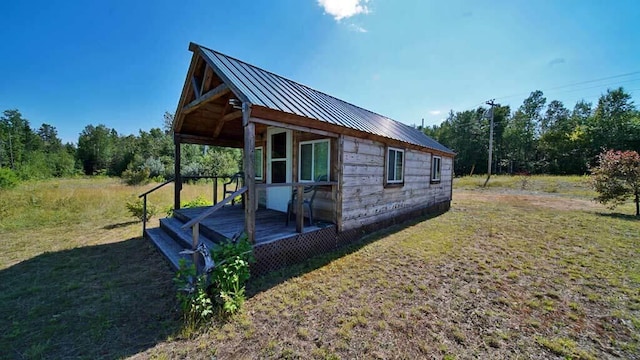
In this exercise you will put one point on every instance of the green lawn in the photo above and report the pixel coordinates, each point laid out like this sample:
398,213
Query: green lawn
511,271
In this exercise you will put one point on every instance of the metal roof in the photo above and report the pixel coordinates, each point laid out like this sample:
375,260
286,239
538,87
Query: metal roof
264,88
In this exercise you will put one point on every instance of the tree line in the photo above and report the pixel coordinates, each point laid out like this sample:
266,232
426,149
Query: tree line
540,136
28,153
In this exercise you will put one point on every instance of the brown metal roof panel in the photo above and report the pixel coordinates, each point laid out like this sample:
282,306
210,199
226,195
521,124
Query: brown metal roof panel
347,113
216,60
331,114
294,98
249,82
281,94
328,103
272,91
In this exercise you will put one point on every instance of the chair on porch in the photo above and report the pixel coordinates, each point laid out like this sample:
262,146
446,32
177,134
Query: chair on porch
306,203
233,185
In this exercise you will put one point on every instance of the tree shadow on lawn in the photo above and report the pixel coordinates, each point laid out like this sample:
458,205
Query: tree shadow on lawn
620,216
103,301
265,282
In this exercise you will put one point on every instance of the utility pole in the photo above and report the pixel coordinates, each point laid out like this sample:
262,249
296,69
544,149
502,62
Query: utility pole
492,104
11,152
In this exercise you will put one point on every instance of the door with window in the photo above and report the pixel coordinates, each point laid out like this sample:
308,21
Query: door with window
278,168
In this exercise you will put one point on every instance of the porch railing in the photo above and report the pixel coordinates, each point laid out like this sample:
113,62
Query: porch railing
194,223
146,193
299,188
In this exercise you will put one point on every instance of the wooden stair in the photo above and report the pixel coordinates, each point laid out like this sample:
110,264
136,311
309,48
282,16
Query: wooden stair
171,239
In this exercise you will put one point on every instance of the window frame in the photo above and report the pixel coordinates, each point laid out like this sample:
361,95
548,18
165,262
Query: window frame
433,173
313,163
395,180
261,149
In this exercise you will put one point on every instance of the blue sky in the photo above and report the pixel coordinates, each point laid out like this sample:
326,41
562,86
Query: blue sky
122,63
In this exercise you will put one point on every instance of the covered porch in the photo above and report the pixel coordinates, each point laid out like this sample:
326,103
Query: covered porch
270,225
282,156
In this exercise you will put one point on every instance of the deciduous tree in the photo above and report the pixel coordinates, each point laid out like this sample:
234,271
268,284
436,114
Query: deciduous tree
616,178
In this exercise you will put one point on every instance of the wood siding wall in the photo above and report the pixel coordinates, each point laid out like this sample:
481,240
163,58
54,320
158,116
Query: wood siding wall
365,199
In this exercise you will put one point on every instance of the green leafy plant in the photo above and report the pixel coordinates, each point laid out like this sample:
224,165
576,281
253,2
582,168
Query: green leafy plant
197,202
8,179
223,288
136,177
195,302
136,208
230,276
616,178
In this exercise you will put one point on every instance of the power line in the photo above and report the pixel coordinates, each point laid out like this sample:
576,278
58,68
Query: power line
595,80
574,84
474,107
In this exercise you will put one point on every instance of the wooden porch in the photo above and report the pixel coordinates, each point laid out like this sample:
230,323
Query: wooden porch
270,225
276,243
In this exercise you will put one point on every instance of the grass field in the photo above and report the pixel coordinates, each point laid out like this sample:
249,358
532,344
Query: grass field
528,268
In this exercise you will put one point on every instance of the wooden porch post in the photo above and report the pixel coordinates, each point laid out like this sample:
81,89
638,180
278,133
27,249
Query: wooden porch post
249,172
177,176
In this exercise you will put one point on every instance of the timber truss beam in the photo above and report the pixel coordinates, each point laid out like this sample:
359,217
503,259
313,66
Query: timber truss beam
211,95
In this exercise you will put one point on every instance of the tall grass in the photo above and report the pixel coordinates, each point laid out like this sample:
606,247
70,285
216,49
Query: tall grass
574,185
71,212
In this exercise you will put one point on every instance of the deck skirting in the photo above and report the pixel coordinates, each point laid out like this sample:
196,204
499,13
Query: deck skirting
278,254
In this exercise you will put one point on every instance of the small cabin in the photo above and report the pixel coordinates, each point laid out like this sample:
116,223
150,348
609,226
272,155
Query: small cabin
318,172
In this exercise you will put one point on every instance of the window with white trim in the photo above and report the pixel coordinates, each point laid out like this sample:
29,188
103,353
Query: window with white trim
314,159
436,164
258,163
395,166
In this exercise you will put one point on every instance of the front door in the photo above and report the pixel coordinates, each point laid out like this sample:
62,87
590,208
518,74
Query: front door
278,168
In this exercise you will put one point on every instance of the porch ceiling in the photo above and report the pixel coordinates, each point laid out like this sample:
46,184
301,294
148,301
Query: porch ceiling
204,113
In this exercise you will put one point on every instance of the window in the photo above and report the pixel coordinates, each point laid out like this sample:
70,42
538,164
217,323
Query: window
258,163
435,168
395,166
314,160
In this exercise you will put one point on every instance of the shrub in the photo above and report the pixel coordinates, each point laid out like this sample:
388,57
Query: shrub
223,288
230,275
155,166
193,169
197,202
616,178
8,179
35,167
136,177
192,295
135,207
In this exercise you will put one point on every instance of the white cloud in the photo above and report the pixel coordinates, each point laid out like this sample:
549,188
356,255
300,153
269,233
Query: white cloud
341,9
435,112
356,28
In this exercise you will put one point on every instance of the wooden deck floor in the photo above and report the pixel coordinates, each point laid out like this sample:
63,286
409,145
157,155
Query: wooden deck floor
229,220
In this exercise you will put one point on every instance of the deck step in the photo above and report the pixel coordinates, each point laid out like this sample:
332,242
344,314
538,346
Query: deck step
173,227
167,246
187,214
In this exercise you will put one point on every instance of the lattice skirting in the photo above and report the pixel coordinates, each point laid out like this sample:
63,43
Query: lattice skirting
285,252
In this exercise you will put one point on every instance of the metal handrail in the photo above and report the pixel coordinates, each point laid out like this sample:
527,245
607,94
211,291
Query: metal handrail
144,203
155,188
